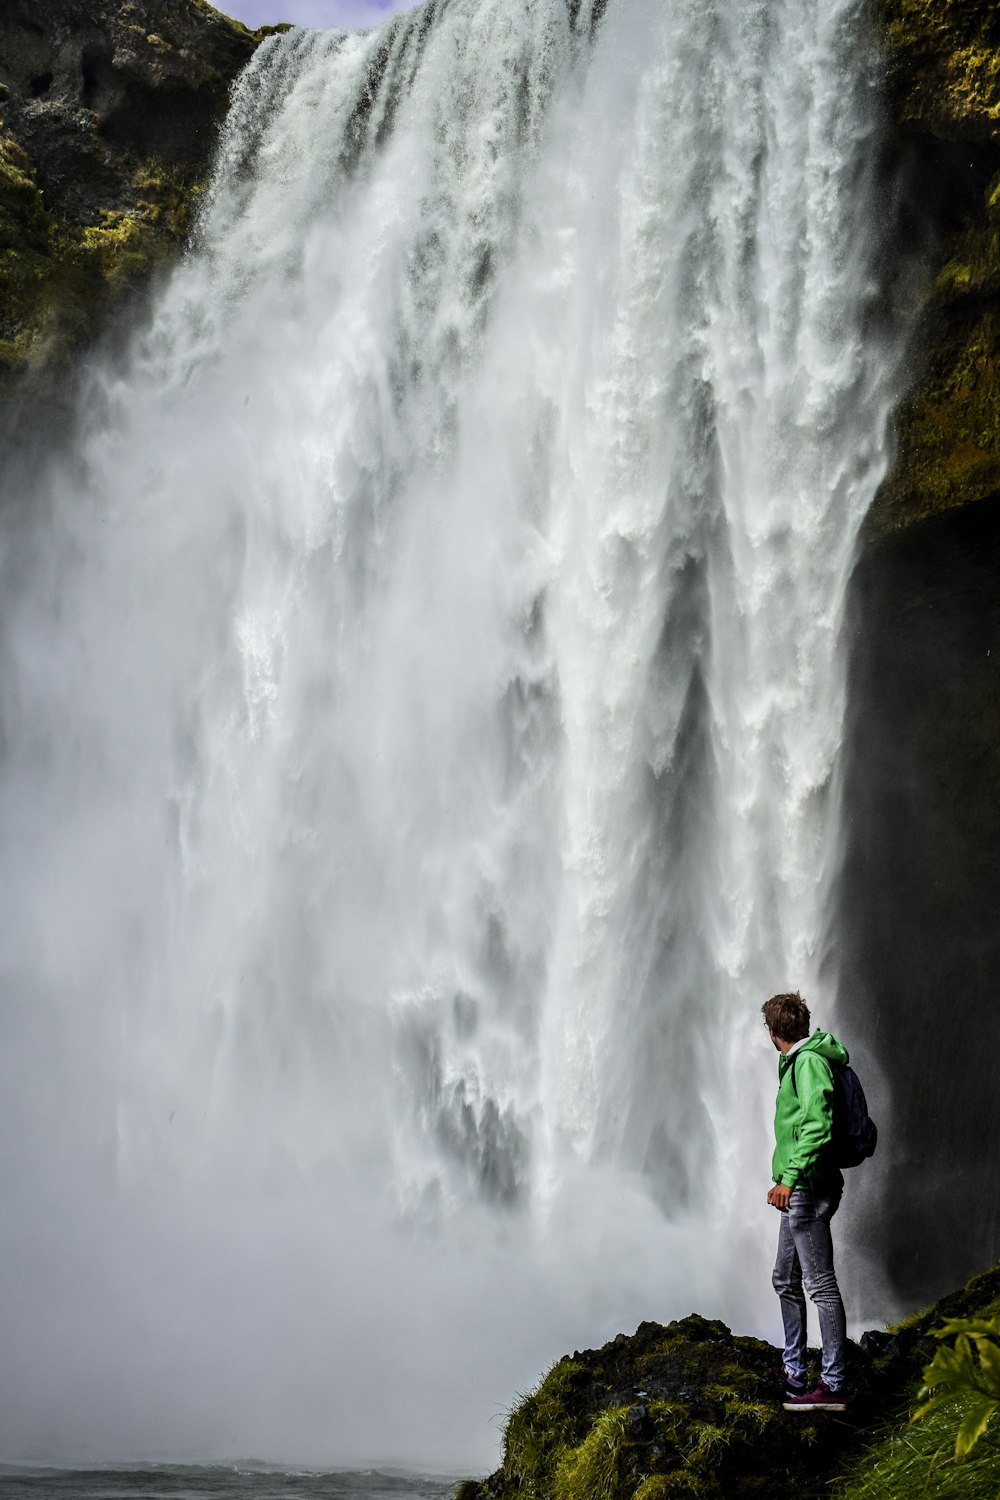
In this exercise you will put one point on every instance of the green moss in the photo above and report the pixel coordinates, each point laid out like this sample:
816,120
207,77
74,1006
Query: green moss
543,1428
949,428
943,71
654,1487
943,65
593,1470
58,279
669,1419
690,1412
469,1489
679,1485
167,200
24,252
71,257
748,1419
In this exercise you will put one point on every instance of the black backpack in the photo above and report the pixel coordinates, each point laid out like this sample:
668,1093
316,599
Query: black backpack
854,1135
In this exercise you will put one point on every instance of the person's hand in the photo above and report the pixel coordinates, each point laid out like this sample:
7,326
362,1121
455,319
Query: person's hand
779,1195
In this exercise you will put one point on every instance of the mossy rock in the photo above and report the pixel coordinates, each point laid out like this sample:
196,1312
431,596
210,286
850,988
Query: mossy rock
690,1411
685,1410
109,115
943,84
944,65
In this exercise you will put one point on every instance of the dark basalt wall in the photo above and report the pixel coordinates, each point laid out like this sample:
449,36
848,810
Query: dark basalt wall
109,114
918,936
943,94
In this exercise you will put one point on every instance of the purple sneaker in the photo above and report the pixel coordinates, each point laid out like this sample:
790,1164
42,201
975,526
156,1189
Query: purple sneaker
820,1398
792,1385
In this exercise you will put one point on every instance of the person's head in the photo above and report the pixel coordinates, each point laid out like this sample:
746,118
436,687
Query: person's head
786,1017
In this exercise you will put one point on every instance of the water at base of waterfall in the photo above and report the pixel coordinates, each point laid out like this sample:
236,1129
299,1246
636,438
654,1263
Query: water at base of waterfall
213,1482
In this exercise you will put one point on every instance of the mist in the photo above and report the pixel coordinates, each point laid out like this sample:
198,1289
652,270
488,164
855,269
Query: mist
422,695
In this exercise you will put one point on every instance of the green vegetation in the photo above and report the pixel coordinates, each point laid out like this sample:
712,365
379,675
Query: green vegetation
945,1447
595,1466
917,1462
103,158
944,66
544,1428
970,1371
691,1412
58,279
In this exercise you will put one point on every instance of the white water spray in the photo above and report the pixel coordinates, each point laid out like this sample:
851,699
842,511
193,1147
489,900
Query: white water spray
421,699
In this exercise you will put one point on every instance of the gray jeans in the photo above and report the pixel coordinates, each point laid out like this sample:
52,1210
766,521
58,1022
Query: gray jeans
805,1258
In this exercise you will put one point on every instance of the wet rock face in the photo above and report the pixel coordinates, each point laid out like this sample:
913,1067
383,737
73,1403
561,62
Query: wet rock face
919,936
943,92
91,86
944,66
109,114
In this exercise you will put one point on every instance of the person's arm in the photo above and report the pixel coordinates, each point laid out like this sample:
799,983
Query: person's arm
814,1086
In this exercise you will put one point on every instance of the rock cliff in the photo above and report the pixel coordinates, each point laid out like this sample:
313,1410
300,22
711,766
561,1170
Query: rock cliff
108,117
943,93
918,942
109,112
690,1411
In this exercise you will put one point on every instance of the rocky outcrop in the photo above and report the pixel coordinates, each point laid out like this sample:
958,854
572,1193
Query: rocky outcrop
684,1410
918,940
108,117
690,1411
918,943
943,76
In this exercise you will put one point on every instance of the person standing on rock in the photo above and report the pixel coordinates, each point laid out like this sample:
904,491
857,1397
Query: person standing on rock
807,1191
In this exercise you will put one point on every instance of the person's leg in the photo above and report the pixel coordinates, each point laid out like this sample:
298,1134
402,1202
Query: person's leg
787,1282
809,1215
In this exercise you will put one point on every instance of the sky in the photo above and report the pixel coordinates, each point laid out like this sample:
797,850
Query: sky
312,12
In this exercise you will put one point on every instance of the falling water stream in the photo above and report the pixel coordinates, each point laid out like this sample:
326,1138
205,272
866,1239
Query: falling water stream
421,700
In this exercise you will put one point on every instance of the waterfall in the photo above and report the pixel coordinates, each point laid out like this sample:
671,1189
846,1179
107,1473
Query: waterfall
421,702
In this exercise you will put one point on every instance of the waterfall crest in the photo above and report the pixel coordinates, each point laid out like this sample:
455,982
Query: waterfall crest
422,693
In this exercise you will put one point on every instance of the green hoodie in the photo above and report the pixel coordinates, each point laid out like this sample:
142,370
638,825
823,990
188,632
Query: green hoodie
803,1117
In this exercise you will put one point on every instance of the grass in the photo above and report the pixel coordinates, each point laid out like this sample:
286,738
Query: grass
592,1470
915,1461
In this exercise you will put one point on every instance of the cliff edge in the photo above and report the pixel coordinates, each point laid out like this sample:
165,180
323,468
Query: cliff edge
690,1411
109,115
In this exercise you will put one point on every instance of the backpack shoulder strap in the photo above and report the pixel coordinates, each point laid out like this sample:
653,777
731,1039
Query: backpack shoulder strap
830,1065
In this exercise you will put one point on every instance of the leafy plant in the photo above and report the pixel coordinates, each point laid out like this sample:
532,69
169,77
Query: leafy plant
969,1368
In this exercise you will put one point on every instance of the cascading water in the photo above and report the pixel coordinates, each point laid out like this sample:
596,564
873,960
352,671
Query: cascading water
421,702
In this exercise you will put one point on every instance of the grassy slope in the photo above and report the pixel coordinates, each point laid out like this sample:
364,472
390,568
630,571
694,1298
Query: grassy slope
906,1460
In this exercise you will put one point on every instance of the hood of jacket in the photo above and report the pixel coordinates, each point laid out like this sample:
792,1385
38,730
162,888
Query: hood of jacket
823,1042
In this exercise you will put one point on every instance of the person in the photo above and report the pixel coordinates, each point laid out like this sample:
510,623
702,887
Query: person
806,1192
